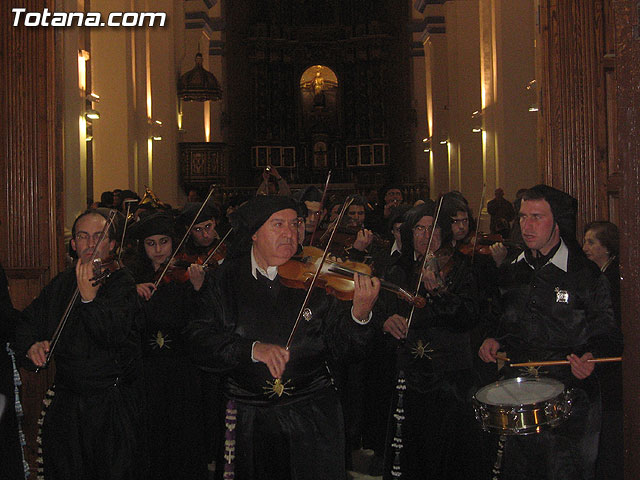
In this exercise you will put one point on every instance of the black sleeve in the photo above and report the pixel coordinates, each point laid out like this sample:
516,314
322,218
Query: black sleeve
8,314
212,345
456,307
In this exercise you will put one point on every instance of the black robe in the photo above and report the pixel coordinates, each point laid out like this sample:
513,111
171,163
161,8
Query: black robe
174,399
432,432
93,426
548,314
297,434
10,452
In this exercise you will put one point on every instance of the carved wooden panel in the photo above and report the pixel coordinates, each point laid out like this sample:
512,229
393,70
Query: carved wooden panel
30,177
574,134
590,72
202,163
28,135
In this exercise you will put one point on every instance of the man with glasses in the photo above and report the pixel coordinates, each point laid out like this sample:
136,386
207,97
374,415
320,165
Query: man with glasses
92,427
429,410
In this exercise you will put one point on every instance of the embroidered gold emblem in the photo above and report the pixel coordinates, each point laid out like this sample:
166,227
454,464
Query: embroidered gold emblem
159,340
277,388
419,350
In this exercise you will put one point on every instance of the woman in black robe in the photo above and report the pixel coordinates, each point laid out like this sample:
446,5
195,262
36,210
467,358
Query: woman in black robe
174,420
432,432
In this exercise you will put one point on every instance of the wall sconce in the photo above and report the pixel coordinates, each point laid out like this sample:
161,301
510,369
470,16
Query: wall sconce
89,138
156,138
427,144
92,114
444,142
93,97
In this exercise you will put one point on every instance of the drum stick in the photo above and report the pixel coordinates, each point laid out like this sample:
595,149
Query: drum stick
502,356
565,362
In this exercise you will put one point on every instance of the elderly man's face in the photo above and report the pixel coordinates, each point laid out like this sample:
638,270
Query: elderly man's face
422,232
276,241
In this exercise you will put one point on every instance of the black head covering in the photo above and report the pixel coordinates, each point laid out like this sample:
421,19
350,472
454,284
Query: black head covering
190,210
451,205
411,217
309,194
248,218
159,223
563,207
397,215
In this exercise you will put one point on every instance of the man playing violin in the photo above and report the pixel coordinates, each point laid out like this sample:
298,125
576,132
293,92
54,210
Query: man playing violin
432,357
557,306
92,428
283,408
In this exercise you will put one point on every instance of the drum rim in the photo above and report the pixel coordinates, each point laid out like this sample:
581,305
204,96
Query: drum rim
548,380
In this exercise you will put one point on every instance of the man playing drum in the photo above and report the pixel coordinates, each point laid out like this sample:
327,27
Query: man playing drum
557,306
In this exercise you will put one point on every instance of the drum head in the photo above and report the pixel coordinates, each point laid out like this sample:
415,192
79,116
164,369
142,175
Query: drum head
519,391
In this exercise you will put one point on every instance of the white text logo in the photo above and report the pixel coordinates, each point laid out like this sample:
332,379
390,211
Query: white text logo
89,19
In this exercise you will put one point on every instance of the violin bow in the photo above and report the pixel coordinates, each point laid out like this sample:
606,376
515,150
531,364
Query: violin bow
184,238
324,194
484,190
67,312
346,205
213,252
124,229
424,261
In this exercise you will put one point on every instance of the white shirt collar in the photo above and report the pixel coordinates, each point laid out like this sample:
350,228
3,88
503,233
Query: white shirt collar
255,268
560,259
394,248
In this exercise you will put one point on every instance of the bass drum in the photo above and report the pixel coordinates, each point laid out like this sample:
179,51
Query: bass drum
522,405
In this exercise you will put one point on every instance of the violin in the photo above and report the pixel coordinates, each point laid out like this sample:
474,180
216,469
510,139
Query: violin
440,263
103,268
335,277
178,268
480,244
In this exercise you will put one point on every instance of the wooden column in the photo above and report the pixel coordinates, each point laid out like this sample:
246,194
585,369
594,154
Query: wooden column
627,93
30,175
590,145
